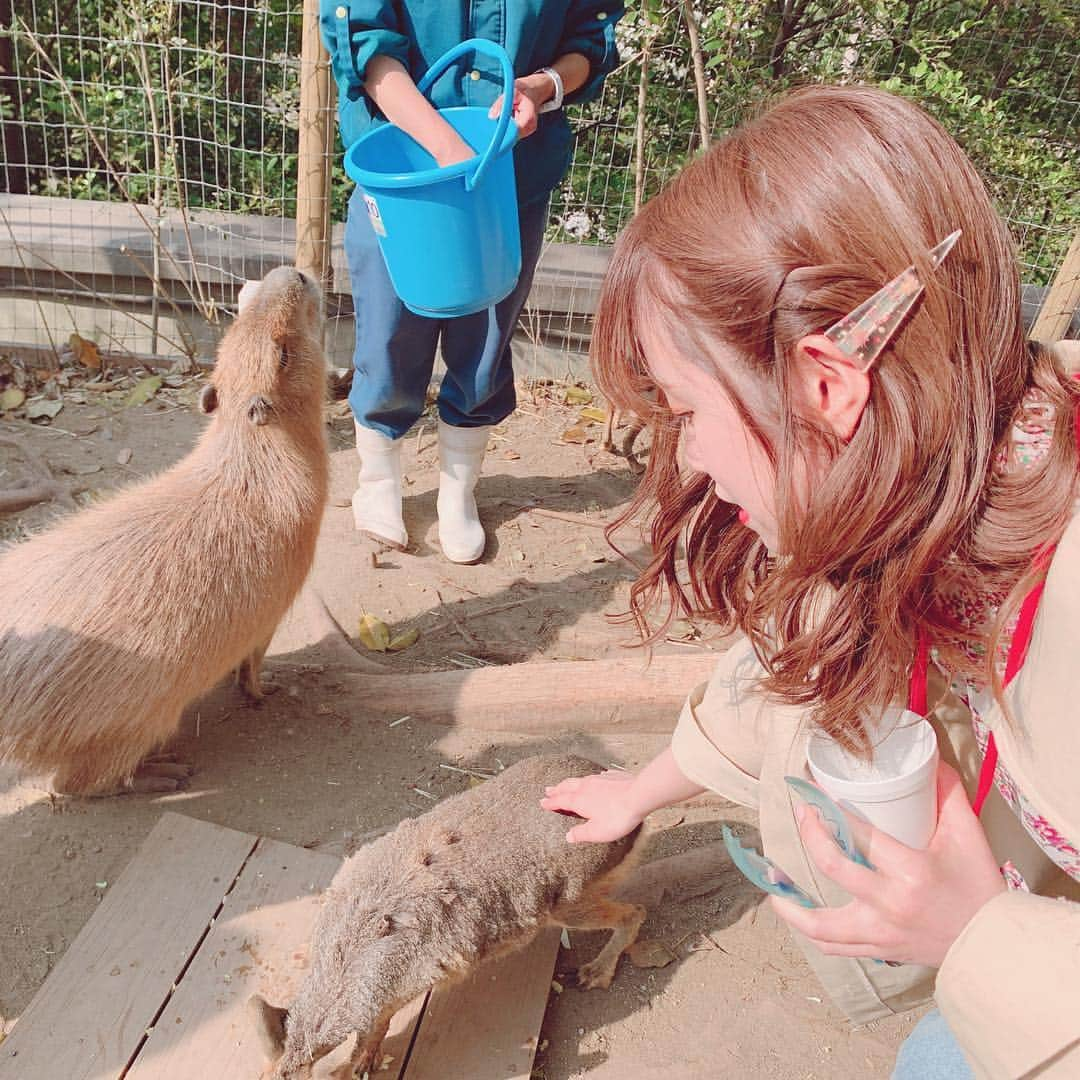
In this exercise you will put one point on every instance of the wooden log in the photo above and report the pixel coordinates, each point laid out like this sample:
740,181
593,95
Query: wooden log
545,697
1062,300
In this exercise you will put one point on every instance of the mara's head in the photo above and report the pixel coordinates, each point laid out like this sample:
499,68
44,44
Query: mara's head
357,957
270,365
864,480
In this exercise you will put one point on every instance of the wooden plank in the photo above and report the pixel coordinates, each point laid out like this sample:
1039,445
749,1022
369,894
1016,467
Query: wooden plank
259,943
486,1028
1062,300
91,1014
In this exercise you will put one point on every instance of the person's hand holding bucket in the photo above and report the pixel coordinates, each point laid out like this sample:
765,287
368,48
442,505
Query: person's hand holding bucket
447,224
913,904
531,94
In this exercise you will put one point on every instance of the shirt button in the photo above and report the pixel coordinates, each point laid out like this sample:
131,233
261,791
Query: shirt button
474,75
341,12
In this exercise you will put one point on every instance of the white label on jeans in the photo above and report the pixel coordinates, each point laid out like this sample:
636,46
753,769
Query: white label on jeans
376,217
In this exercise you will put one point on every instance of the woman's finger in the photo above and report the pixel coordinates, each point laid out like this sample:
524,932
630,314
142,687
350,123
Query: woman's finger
849,927
827,856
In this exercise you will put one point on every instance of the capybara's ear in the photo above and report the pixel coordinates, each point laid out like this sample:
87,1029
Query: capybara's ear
259,410
208,398
269,1025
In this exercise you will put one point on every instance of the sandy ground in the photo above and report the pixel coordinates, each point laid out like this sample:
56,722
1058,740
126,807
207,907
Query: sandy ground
736,998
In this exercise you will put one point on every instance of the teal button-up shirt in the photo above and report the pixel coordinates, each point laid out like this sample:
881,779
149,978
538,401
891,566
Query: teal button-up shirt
417,32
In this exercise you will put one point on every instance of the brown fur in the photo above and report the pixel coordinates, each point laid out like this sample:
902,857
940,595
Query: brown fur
116,619
476,876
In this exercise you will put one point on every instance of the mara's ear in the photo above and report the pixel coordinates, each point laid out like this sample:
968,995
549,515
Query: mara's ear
208,398
269,1025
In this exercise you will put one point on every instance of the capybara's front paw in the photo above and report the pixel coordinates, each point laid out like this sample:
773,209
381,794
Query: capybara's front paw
160,773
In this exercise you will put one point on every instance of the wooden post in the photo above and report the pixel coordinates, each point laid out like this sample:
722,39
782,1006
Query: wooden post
315,150
1056,314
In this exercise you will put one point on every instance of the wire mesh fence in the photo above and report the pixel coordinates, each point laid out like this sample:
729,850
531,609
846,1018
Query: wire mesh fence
150,148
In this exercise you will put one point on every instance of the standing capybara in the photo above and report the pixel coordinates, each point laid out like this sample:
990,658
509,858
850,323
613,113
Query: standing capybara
116,619
476,876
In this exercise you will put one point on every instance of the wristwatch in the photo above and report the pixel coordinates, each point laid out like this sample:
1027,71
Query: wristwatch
557,100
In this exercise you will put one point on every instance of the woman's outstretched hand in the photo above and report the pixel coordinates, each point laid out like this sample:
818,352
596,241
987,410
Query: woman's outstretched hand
603,799
914,904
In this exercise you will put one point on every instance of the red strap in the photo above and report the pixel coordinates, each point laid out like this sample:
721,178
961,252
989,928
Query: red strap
917,686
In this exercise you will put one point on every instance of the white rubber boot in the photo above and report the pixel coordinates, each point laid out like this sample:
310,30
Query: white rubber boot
461,454
376,503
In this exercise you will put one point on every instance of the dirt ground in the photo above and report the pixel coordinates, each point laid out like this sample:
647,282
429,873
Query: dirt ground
736,998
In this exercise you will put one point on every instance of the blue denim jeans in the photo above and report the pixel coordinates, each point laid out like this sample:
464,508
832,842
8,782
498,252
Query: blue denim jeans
395,349
931,1052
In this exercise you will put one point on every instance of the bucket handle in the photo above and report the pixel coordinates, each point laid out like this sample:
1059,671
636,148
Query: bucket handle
479,45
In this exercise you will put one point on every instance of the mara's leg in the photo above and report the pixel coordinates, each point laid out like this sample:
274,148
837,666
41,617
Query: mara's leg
598,912
365,1058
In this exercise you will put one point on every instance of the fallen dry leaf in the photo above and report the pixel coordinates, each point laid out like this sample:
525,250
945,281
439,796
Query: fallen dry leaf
86,352
596,416
576,435
650,954
143,391
40,407
11,398
124,456
578,395
403,641
374,633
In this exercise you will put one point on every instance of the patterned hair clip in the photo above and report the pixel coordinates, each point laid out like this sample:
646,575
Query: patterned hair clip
863,334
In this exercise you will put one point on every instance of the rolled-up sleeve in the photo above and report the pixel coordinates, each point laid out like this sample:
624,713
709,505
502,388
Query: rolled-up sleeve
717,741
355,31
590,30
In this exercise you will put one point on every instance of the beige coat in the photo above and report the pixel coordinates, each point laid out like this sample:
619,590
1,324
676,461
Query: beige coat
1010,985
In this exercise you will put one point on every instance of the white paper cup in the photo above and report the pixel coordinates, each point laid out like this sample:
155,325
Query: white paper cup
896,791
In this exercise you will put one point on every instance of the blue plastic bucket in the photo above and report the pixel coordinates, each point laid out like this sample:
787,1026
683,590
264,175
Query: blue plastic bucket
449,236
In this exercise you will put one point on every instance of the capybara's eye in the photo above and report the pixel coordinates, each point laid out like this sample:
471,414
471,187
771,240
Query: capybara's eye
283,360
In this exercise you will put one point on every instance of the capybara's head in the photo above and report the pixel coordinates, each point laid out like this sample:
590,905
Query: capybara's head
270,365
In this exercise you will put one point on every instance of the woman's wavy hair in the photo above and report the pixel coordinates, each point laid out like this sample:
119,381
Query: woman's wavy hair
778,231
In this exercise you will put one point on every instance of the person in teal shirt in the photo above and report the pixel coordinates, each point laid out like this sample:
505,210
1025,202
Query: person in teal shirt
561,51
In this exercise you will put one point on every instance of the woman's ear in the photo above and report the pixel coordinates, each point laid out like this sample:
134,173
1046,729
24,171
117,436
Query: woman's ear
832,389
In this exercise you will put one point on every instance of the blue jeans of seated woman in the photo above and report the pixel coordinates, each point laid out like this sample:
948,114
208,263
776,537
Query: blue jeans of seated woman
395,349
931,1052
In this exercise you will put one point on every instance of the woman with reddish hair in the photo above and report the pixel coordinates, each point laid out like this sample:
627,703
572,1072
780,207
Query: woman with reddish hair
878,495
